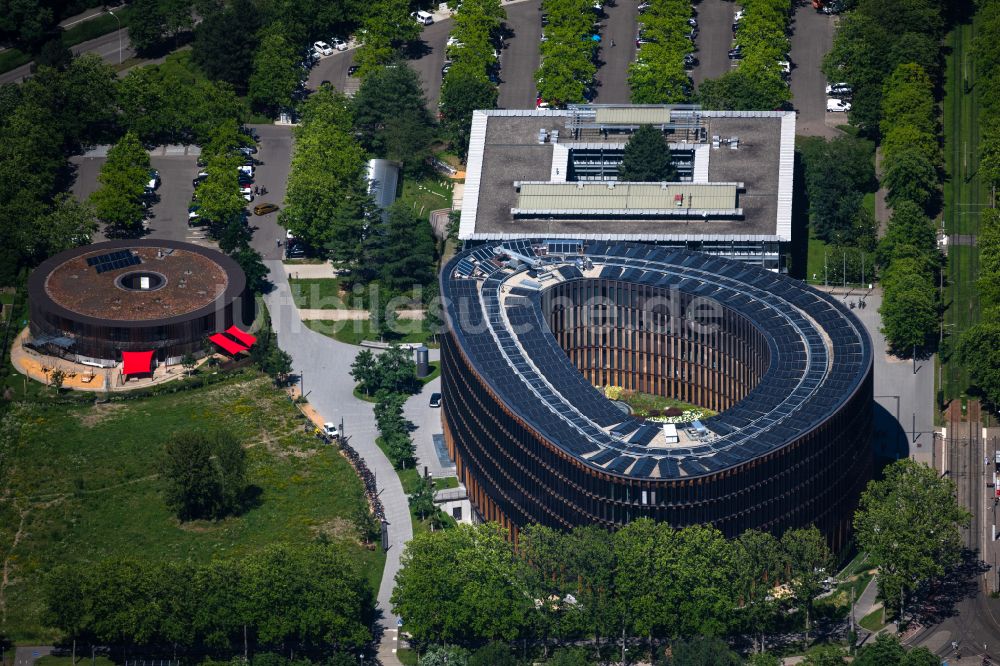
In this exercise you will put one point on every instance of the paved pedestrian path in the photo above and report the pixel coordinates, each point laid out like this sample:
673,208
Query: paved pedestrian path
352,315
323,364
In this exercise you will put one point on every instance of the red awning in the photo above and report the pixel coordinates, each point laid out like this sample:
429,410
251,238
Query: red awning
137,363
229,345
242,336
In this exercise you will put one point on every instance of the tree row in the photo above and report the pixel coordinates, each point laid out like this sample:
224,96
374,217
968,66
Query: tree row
653,583
569,50
659,75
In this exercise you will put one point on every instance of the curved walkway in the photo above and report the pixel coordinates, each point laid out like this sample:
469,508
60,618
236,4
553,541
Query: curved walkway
324,364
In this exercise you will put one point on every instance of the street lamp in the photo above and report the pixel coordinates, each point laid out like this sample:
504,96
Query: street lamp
119,35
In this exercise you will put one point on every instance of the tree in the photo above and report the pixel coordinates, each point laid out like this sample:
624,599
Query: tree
397,371
909,309
837,174
188,362
445,655
884,651
809,562
364,522
979,351
275,72
327,204
119,200
147,26
404,249
461,584
390,114
205,474
225,42
363,370
386,26
907,226
703,652
825,655
465,89
253,267
758,562
70,223
422,499
910,524
647,158
311,594
493,654
571,656
746,89
66,604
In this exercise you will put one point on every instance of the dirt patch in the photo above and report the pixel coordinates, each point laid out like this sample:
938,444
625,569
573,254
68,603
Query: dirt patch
100,413
336,529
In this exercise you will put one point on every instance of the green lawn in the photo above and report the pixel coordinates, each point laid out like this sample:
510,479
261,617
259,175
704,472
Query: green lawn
355,331
428,194
410,480
82,485
326,294
963,197
873,621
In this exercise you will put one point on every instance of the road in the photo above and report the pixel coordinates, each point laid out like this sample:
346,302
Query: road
620,29
428,423
275,155
811,40
323,363
521,57
715,37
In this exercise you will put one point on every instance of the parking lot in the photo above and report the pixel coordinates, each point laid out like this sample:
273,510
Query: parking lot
715,35
520,58
428,58
619,28
177,167
811,41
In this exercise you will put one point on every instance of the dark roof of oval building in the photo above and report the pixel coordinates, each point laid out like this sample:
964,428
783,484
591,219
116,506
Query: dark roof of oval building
820,354
84,283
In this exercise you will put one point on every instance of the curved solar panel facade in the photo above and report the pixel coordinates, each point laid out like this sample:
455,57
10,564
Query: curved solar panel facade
533,326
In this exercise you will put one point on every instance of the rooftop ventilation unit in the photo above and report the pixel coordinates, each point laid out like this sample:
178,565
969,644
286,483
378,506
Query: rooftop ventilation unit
543,135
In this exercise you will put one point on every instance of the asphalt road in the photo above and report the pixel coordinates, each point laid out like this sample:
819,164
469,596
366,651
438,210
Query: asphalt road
715,37
521,56
105,46
811,40
619,28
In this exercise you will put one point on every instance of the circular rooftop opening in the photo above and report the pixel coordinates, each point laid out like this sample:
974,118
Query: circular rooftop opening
141,281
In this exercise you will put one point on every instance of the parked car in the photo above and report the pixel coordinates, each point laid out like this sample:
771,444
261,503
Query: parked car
435,400
644,6
246,169
693,22
265,208
322,48
445,68
193,214
154,180
352,70
735,54
690,60
834,105
838,89
331,431
199,179
338,44
422,17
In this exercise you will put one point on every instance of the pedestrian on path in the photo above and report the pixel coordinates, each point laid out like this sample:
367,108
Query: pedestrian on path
612,43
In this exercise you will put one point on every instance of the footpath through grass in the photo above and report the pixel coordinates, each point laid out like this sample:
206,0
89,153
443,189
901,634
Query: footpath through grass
81,485
963,199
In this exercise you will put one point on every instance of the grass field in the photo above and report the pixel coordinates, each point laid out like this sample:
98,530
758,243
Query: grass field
963,198
872,621
325,294
81,485
426,195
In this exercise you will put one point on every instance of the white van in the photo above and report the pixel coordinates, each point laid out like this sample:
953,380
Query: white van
422,17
